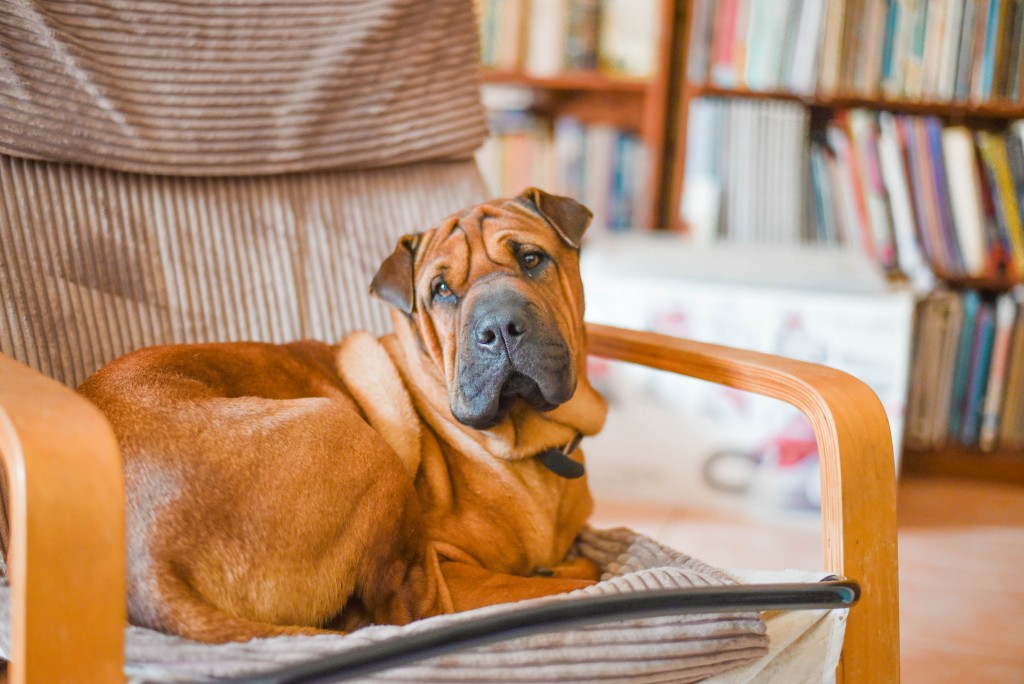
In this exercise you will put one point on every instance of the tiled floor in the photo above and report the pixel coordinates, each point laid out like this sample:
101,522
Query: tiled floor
961,569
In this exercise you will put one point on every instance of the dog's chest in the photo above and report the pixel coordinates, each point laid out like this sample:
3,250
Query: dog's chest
512,517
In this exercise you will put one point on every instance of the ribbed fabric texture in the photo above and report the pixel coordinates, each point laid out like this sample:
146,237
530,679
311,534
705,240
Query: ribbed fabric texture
227,87
96,263
685,648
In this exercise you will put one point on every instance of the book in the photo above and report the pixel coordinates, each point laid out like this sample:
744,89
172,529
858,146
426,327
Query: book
702,28
913,85
965,198
949,51
545,28
926,205
947,231
851,182
599,155
825,232
864,134
1003,51
570,155
582,27
892,15
1011,426
921,393
978,373
962,366
723,69
993,152
702,193
950,314
829,75
990,39
991,412
891,154
1015,56
965,53
981,33
869,73
766,43
628,38
804,62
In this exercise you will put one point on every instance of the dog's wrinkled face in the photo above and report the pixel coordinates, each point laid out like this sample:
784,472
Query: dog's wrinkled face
494,297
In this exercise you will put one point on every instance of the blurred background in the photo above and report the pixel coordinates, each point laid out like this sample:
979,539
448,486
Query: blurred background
836,181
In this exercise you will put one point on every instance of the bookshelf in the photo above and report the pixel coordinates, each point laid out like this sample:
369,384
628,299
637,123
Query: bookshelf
955,63
594,96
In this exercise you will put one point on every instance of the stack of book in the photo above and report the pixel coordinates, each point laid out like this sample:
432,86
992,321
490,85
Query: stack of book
602,166
931,50
546,38
911,193
745,171
918,195
967,375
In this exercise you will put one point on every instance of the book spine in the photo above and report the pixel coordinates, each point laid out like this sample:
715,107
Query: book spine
981,357
991,413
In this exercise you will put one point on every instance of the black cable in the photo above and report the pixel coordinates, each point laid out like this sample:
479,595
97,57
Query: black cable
560,615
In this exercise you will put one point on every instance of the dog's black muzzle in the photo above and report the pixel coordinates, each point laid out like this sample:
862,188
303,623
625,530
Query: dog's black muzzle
510,350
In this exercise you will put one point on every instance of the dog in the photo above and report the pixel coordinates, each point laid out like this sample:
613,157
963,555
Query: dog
305,487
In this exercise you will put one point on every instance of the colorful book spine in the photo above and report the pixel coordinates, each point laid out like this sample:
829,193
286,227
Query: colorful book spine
991,413
993,151
962,367
978,374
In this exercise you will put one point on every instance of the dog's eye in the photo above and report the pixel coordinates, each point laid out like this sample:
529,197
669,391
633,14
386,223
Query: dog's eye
441,290
531,259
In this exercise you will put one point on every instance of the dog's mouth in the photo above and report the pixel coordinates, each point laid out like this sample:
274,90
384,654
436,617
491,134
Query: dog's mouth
520,386
516,387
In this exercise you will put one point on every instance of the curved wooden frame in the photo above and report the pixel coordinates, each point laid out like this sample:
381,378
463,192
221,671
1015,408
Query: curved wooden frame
67,548
858,480
66,554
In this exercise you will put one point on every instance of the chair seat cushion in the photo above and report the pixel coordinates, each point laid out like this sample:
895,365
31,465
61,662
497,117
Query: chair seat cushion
681,648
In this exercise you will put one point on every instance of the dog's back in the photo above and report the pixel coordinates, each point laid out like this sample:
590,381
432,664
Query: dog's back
255,492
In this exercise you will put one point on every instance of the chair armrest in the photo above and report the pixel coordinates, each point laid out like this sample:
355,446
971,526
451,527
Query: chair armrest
858,480
66,551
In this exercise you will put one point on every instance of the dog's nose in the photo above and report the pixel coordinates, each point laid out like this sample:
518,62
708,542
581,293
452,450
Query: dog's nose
494,331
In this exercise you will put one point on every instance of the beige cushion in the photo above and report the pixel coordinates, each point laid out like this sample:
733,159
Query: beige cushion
236,88
683,648
96,263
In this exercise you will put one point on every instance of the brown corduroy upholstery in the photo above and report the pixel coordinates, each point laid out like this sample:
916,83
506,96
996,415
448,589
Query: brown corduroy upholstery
95,263
232,87
135,202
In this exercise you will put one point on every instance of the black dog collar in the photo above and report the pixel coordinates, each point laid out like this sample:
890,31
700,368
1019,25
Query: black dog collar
557,460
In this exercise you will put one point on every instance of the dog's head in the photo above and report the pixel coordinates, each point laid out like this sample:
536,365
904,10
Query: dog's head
495,298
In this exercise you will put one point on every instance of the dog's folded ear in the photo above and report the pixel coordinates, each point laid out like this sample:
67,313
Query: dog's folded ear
568,217
394,280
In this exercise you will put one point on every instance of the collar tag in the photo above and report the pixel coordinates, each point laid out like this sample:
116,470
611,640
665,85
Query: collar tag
557,460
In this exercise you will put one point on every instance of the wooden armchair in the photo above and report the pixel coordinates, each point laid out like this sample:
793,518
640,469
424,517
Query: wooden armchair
164,178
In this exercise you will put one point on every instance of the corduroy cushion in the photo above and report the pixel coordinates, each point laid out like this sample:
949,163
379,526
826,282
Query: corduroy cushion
96,263
685,648
232,87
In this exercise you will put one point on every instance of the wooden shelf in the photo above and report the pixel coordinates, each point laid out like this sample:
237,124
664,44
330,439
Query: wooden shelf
985,284
988,110
645,106
575,80
965,464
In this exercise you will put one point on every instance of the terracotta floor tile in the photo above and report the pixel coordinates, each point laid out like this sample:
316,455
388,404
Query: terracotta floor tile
961,565
922,665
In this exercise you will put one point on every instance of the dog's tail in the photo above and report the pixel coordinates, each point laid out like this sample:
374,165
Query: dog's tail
186,614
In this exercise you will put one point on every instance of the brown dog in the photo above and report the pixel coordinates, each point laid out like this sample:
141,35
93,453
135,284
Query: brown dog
285,489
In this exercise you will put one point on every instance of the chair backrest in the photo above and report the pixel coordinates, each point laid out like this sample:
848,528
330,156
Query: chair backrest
181,172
